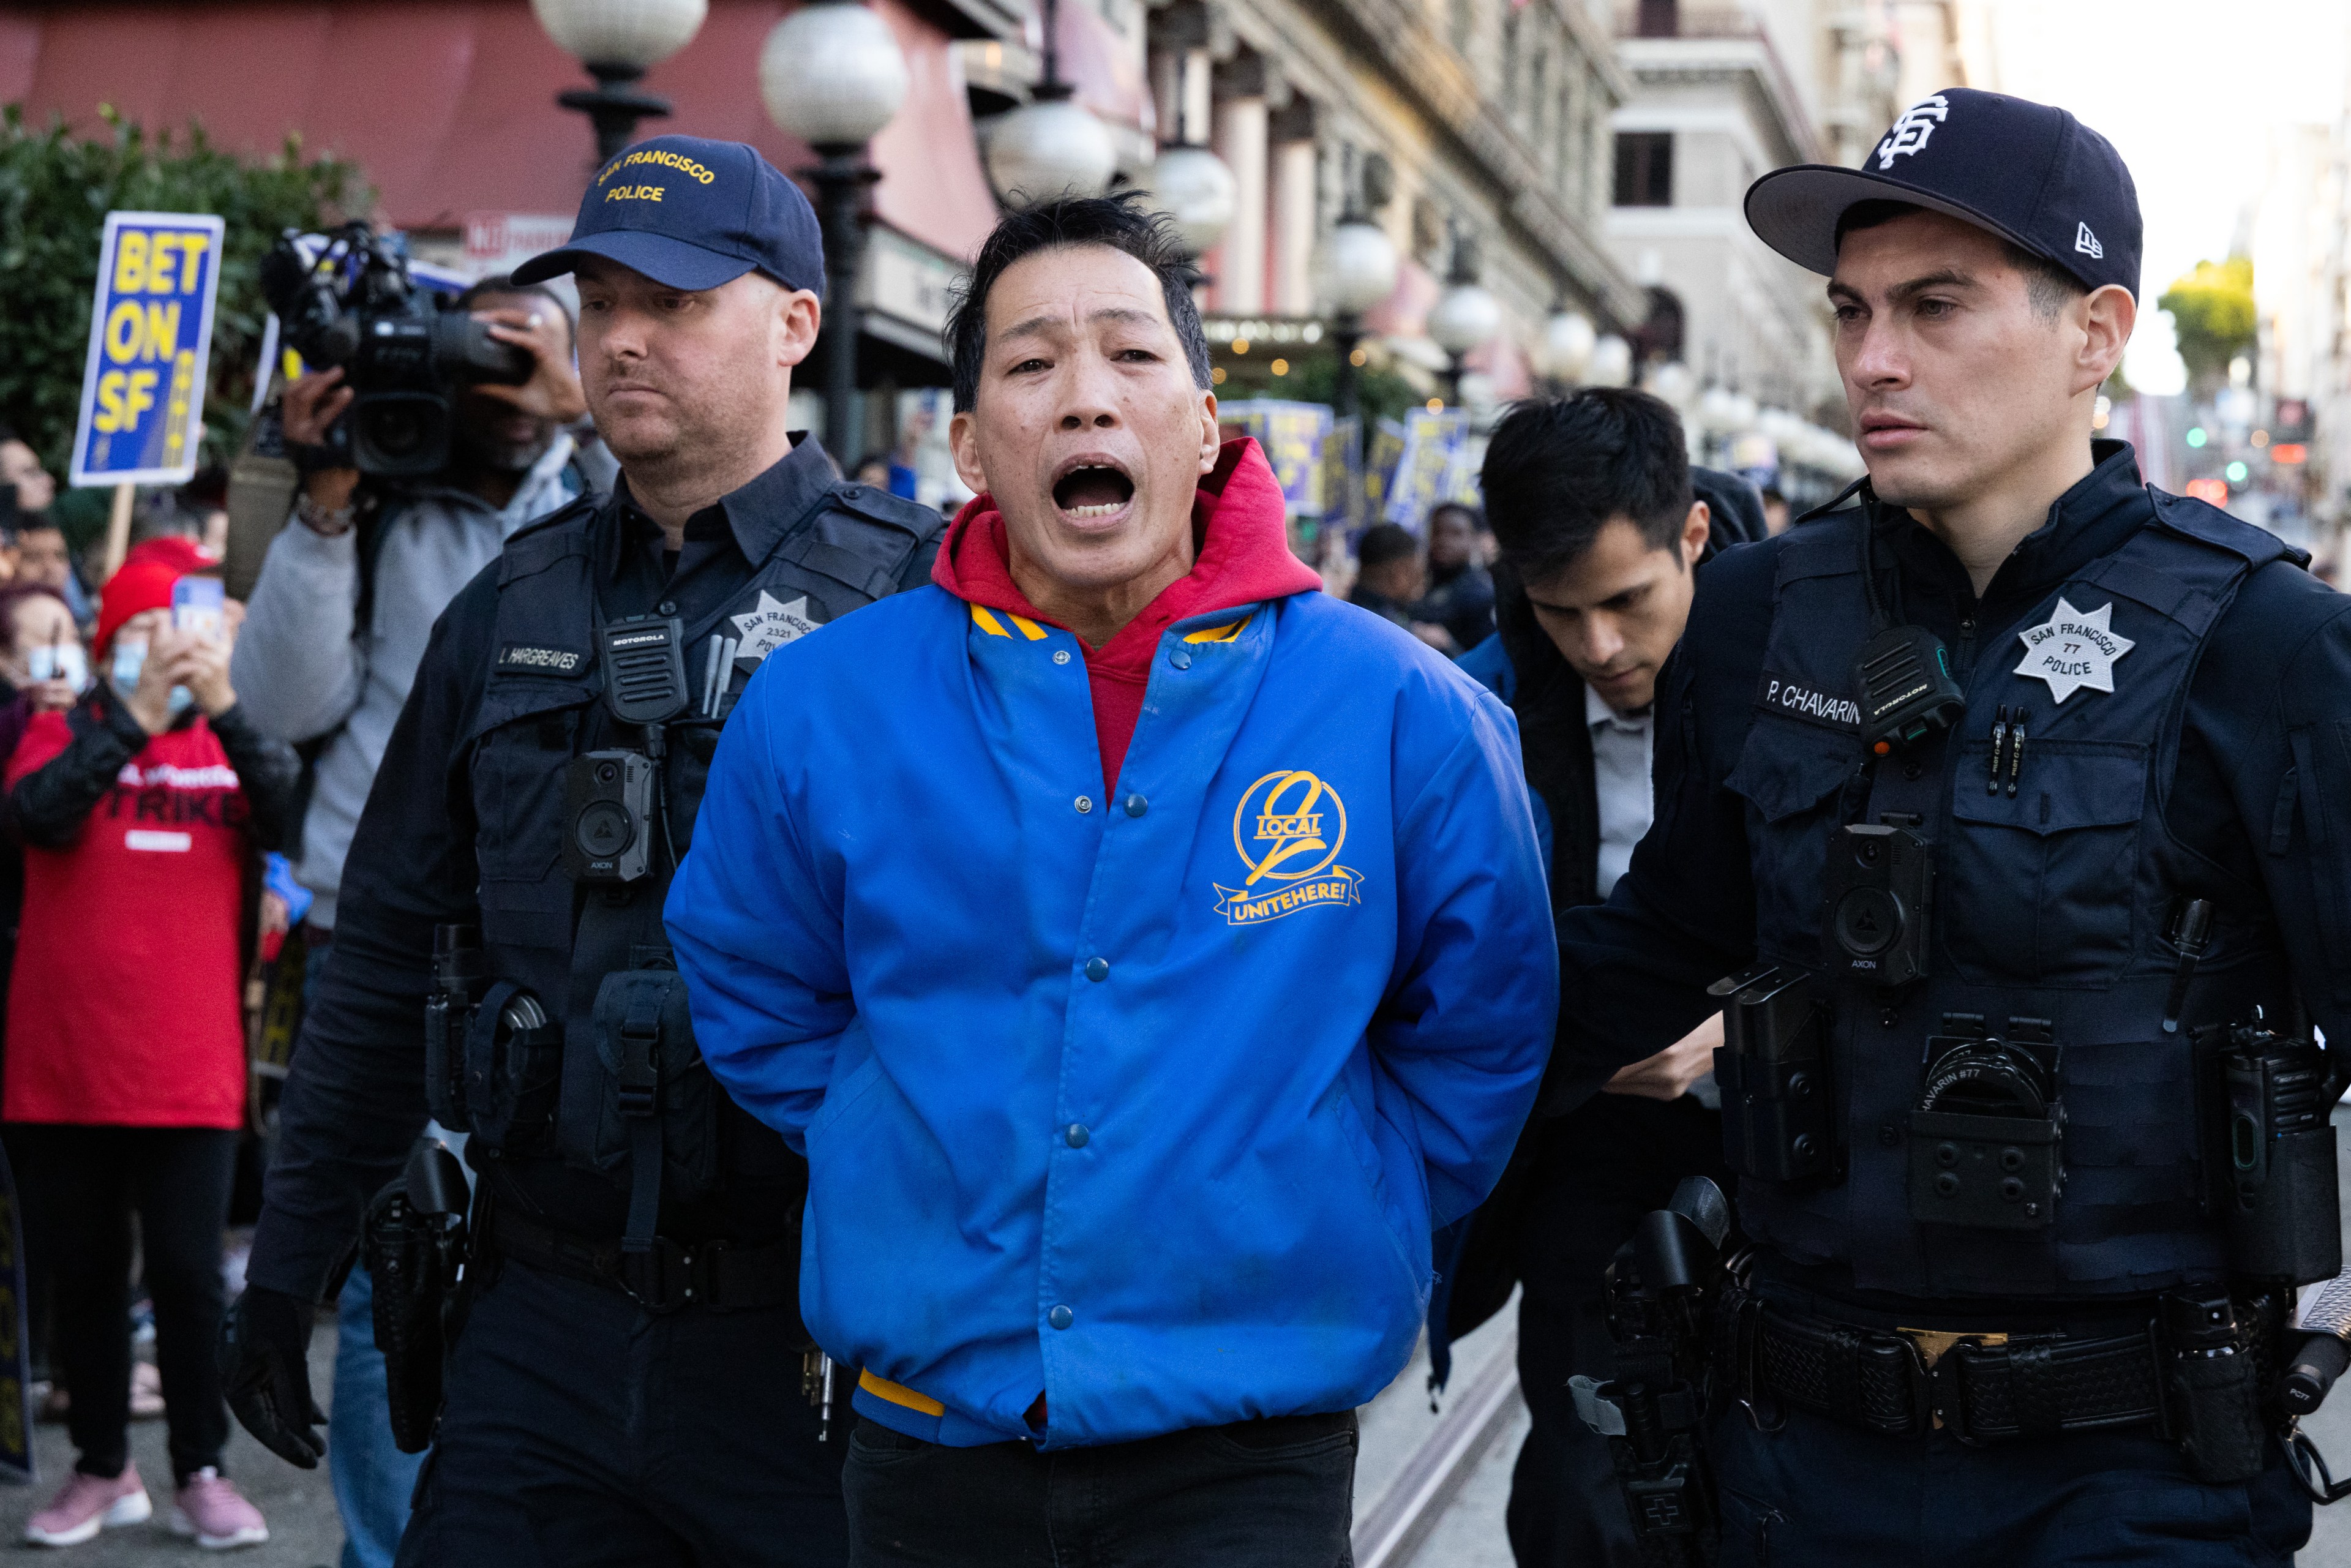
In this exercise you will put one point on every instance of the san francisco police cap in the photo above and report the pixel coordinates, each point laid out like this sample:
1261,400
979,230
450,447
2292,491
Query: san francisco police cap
692,213
2028,173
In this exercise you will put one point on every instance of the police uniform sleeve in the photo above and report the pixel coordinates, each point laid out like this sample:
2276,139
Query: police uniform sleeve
354,1100
1633,970
2271,703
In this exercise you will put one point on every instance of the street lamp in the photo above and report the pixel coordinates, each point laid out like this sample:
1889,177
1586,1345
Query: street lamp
1611,362
1359,271
1196,190
1673,384
616,40
831,75
1050,147
1567,343
1466,314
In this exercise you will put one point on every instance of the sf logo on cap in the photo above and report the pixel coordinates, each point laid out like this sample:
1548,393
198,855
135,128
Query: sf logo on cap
1910,133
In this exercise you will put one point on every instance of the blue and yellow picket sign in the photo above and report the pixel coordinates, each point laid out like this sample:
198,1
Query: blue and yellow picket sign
151,332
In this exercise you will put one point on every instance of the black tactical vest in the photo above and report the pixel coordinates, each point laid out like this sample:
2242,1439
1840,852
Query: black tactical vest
613,1083
2051,915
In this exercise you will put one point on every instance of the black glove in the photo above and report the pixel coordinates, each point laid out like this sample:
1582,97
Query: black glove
264,1363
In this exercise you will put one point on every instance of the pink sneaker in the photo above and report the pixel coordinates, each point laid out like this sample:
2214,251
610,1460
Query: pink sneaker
212,1510
87,1504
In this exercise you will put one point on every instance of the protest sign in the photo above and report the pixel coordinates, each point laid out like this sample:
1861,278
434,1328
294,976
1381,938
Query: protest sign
150,329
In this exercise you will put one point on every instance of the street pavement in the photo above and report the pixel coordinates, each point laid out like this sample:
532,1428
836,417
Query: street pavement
299,1504
304,1533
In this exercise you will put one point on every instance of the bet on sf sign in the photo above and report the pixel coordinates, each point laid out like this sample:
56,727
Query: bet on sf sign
150,328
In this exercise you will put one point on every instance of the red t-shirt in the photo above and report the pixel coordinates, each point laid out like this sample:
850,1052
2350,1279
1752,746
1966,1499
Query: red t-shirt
122,1007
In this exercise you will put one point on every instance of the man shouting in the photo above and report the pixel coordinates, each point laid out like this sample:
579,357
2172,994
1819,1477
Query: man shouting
1145,948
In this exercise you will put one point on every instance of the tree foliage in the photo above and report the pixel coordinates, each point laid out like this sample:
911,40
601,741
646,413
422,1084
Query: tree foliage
56,189
2212,314
1380,392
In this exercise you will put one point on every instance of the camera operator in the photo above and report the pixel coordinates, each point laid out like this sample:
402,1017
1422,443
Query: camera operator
337,625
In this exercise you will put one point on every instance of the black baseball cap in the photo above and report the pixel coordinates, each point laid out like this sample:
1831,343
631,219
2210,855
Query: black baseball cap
692,213
2028,173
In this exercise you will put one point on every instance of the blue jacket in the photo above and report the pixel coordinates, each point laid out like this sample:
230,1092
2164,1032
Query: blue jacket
1146,1103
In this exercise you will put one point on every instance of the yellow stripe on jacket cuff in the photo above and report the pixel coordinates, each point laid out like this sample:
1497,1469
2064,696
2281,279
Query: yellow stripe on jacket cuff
882,1389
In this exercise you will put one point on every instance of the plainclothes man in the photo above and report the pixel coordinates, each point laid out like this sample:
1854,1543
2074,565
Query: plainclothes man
1145,948
1604,527
628,1385
2000,1312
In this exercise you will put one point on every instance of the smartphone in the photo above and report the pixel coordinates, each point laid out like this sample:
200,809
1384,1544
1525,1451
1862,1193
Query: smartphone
196,605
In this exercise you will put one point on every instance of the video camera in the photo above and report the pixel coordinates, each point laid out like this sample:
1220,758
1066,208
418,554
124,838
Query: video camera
403,356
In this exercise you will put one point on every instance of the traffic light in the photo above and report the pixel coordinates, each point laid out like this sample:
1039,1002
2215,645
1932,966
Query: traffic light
2196,435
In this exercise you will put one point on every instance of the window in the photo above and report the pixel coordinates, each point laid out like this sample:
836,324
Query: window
1659,19
1644,168
1659,337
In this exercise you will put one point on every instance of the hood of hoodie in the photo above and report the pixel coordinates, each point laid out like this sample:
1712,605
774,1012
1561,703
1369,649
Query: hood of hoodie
1240,541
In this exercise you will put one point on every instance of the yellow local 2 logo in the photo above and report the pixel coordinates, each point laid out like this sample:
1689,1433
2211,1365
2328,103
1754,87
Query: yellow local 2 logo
1282,817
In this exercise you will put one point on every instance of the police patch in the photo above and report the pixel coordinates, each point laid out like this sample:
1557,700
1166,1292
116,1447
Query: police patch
1798,700
528,661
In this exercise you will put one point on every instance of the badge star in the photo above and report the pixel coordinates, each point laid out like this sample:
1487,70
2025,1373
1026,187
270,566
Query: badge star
2072,651
770,625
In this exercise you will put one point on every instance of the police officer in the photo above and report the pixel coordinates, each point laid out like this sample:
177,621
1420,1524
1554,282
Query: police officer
2007,805
628,1384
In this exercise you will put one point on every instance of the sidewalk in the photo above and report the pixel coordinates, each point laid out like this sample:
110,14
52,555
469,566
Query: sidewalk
299,1504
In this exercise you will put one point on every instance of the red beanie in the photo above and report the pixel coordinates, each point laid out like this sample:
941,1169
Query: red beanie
180,553
142,584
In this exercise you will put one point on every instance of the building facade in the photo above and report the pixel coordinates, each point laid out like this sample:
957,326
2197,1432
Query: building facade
1721,93
1445,121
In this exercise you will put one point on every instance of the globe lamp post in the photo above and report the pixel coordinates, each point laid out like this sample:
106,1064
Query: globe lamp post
1196,190
1050,146
1359,271
1466,315
1611,362
1567,343
617,40
831,74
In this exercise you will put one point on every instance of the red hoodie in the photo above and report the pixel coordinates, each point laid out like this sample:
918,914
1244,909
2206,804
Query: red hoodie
1242,557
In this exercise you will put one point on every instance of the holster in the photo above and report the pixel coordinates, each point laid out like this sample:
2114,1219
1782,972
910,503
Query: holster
415,1242
1654,1411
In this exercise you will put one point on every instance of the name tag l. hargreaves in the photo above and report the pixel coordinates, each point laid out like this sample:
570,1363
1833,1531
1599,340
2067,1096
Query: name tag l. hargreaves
2071,651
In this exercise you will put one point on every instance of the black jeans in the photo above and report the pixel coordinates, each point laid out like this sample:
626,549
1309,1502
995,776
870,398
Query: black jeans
583,1432
1257,1494
79,1186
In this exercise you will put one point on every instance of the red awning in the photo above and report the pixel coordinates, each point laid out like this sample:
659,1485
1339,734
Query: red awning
449,105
